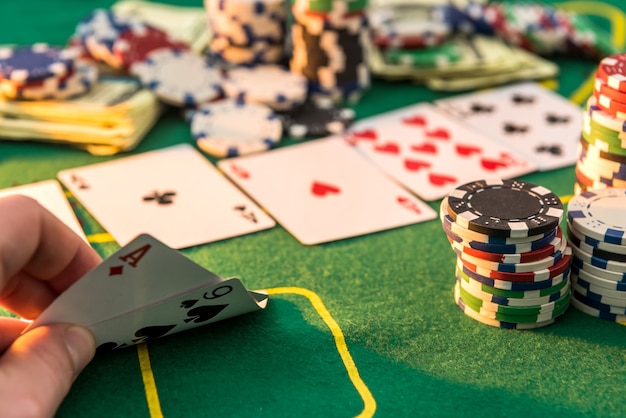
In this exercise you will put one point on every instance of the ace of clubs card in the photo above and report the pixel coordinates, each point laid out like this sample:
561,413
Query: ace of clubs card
535,121
323,191
173,194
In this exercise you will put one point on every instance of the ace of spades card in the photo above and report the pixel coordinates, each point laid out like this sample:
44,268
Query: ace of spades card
430,152
323,191
147,290
534,121
174,194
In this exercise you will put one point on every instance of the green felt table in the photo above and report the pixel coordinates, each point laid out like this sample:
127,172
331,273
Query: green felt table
361,326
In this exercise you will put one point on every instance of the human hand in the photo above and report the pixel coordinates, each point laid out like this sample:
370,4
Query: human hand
40,257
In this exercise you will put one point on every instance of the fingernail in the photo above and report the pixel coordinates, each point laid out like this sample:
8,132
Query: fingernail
81,345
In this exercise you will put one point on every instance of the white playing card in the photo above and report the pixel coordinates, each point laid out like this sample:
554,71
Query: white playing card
173,194
431,153
212,303
142,273
527,117
323,191
49,195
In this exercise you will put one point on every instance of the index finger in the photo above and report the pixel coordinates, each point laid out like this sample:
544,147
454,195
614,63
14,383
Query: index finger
40,256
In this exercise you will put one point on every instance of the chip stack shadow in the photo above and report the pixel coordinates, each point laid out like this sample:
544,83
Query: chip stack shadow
513,263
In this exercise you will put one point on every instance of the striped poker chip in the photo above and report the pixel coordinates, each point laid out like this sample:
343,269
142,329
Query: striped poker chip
230,128
598,281
575,240
596,313
612,70
592,266
179,77
600,215
36,62
595,243
271,85
505,208
597,114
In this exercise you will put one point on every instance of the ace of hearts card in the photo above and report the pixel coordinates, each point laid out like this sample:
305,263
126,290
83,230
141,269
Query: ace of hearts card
322,191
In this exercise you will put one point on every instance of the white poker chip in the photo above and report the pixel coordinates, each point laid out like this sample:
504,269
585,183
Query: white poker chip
178,77
599,214
230,128
271,85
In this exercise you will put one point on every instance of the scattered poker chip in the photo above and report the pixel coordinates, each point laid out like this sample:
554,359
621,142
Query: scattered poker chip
231,128
315,119
600,215
270,85
179,77
36,62
506,208
132,46
612,70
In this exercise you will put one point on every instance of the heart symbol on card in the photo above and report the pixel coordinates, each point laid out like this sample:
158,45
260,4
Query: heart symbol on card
426,147
466,150
415,165
489,164
439,133
416,120
389,148
322,189
239,172
364,135
406,203
441,179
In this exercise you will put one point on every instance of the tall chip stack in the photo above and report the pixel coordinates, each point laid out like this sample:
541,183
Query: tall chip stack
247,32
330,48
513,263
596,227
602,149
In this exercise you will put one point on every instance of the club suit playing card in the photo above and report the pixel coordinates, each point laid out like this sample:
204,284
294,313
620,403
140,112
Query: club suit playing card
535,121
174,194
323,191
430,152
49,194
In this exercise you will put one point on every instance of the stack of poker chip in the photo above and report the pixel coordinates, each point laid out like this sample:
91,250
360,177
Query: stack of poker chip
329,40
40,72
247,32
596,228
602,149
536,27
513,262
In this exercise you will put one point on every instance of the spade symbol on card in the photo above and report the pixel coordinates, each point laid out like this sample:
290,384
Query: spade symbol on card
204,313
521,99
246,214
553,119
511,128
481,108
322,189
554,149
79,182
165,198
186,304
108,347
152,332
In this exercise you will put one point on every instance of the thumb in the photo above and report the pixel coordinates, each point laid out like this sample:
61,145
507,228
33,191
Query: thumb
37,370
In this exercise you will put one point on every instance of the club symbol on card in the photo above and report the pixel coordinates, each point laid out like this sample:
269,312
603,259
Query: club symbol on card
246,214
79,182
416,120
481,108
511,128
521,99
554,119
322,189
554,149
165,198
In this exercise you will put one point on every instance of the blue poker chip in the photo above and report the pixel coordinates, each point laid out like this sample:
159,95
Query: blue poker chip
35,63
507,285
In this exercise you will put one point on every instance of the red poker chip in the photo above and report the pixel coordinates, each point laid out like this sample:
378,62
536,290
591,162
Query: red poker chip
600,87
132,47
612,70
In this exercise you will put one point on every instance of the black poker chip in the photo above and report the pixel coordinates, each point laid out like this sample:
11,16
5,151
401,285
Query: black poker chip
505,208
316,119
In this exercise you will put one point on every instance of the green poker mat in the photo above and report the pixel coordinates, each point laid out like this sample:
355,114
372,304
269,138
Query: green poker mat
359,327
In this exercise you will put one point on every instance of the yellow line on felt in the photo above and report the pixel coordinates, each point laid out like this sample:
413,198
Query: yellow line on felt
149,384
340,341
100,238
